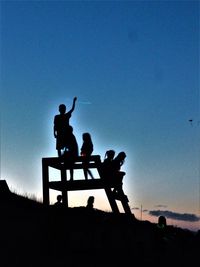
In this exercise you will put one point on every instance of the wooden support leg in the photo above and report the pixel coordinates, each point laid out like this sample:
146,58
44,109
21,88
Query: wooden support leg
126,206
111,200
124,200
64,191
45,180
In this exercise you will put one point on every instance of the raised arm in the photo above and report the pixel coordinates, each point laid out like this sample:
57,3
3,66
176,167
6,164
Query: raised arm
73,105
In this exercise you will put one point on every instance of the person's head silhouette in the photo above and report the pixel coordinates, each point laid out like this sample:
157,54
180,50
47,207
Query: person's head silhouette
62,108
86,137
110,154
162,223
59,200
122,155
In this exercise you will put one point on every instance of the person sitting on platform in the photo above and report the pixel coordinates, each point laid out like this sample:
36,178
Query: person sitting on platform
118,175
107,167
86,152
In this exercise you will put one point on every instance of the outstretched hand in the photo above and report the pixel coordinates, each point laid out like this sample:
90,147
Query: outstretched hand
75,98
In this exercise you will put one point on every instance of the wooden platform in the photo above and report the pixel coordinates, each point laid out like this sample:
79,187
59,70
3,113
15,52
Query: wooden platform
65,185
79,185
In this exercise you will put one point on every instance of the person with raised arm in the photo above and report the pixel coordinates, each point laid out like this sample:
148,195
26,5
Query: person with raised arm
61,126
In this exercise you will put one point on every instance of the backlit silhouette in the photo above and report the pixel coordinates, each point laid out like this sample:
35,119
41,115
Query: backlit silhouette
90,202
61,126
107,166
117,163
58,203
71,151
86,152
70,159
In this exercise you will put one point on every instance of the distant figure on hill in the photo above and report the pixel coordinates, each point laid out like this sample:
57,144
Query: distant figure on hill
71,151
90,202
86,152
118,175
61,126
107,166
59,203
162,240
161,231
162,222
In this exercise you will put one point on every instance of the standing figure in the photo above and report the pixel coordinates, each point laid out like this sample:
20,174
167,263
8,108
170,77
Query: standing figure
117,162
86,152
71,151
61,126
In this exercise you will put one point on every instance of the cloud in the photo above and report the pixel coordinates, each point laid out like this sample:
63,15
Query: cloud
135,208
175,216
145,210
161,206
85,102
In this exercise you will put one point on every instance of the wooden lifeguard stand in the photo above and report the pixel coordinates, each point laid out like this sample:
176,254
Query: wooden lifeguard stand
65,185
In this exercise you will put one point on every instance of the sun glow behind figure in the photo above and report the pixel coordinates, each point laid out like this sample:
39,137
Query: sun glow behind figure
80,122
78,198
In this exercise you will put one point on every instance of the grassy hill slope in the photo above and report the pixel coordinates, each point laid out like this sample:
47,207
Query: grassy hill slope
33,235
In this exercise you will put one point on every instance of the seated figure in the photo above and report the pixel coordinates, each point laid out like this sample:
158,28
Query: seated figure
107,167
117,163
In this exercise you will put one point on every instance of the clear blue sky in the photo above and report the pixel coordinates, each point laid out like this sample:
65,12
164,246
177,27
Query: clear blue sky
134,66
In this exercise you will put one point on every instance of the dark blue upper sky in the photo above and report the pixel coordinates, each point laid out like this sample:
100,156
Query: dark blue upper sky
134,66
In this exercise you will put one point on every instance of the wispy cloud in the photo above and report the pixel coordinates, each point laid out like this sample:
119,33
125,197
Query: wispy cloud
135,208
85,102
161,206
82,101
175,215
145,210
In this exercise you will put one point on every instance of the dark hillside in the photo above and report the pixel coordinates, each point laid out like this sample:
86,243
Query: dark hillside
33,236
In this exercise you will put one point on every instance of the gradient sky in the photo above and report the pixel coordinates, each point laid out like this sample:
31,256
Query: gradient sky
134,66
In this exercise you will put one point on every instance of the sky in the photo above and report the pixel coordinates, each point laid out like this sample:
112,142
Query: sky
134,67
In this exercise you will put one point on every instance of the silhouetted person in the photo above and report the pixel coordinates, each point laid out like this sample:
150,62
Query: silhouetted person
86,152
161,239
109,156
161,230
118,175
61,126
107,166
71,151
119,160
162,222
59,203
90,202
